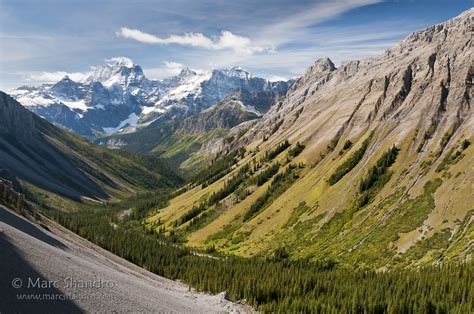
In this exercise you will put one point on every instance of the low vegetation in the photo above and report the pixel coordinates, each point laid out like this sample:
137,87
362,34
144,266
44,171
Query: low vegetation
295,151
194,212
296,214
269,155
12,199
347,145
453,156
277,284
351,162
376,177
217,169
230,186
378,172
281,182
266,174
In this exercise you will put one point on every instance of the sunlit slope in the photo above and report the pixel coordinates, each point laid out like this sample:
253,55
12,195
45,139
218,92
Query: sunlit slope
385,176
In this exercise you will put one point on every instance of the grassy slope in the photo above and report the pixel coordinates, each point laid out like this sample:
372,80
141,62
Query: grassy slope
326,223
142,172
181,149
118,174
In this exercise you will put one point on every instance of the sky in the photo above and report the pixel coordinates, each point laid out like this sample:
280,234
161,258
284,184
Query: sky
41,41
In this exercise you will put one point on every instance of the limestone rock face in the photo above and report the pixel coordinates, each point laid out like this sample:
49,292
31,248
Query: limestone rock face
423,83
235,109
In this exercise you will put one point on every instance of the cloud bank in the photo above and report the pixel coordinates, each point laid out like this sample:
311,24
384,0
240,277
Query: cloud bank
52,77
170,69
226,40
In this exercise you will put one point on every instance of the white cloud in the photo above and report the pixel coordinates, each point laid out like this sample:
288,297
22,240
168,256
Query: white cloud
227,40
320,12
52,77
170,69
173,68
299,27
295,27
122,61
276,78
238,43
229,49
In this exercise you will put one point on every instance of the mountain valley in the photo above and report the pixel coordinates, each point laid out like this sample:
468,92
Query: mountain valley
346,190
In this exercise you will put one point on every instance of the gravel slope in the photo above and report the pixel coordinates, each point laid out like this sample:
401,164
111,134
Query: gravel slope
30,252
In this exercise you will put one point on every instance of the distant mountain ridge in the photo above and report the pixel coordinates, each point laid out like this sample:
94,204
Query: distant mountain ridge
118,97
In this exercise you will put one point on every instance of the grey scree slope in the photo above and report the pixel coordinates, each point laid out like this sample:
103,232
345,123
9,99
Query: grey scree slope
30,251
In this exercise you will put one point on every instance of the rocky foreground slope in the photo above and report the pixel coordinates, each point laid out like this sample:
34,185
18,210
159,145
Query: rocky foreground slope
61,272
386,173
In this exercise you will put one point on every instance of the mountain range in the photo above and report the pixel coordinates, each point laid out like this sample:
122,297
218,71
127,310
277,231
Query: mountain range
119,98
347,189
368,164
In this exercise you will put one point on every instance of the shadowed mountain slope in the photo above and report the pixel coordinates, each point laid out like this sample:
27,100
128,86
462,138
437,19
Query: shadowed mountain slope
36,152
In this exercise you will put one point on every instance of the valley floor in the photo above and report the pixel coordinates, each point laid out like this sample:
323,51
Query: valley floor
83,277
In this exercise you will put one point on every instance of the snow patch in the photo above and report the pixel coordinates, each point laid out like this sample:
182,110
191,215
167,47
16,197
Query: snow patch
238,72
191,85
130,121
31,101
80,104
147,110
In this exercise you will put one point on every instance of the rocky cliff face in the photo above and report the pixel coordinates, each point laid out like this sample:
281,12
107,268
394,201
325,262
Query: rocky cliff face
238,107
423,83
387,177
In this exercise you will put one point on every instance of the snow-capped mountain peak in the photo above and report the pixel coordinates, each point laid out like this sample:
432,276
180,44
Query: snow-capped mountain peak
239,72
190,83
119,70
68,88
118,96
186,72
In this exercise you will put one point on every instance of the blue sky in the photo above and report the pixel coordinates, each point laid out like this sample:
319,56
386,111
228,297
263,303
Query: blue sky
40,41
